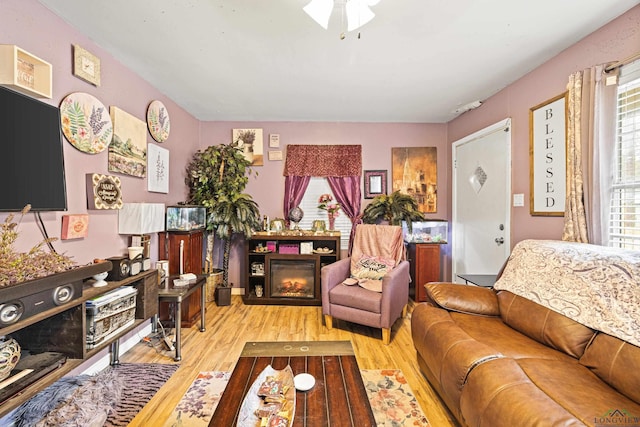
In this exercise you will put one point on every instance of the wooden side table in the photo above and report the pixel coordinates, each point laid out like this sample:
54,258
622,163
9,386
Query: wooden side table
171,294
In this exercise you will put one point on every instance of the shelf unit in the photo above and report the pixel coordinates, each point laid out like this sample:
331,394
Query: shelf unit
253,277
63,329
24,72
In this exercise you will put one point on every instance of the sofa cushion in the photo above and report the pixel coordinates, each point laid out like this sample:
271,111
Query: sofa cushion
356,297
544,325
616,362
499,394
505,340
464,298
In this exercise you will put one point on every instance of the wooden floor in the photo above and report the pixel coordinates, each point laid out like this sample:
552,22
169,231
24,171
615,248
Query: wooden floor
229,328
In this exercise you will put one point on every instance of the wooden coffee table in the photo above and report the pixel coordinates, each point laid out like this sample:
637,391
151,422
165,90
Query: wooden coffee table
337,399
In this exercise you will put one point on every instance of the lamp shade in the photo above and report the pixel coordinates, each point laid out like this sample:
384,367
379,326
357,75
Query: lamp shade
141,218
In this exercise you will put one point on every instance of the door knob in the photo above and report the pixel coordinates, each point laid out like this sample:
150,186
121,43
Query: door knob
499,240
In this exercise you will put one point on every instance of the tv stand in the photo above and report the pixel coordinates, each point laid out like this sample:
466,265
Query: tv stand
60,332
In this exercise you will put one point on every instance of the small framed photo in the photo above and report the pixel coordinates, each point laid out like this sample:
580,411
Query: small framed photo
274,140
375,183
306,248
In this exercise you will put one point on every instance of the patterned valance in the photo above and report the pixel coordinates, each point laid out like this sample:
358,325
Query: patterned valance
323,160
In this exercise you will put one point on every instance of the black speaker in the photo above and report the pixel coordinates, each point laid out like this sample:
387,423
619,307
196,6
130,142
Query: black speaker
28,305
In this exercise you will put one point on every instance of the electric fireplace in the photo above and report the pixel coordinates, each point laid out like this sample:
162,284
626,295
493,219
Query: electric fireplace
293,278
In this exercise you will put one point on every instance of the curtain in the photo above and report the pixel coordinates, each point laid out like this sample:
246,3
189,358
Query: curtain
294,188
340,164
590,150
347,192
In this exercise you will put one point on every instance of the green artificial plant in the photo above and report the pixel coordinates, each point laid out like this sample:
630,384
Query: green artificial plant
393,208
217,177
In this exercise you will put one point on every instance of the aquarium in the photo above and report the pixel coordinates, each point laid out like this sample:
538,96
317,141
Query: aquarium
431,231
186,217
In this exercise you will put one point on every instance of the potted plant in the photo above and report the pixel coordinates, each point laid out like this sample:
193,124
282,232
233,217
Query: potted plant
217,177
393,208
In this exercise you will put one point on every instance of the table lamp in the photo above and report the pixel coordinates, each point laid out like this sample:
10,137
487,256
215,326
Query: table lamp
139,220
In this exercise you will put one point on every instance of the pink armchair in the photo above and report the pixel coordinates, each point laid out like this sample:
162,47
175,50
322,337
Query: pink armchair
375,303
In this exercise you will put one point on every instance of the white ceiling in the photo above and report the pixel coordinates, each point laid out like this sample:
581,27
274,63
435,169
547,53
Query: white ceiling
267,60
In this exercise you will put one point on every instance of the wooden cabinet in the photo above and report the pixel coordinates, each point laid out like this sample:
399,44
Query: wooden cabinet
63,329
424,259
289,272
170,244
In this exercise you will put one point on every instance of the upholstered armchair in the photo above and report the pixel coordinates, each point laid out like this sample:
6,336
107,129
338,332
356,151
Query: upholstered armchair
372,286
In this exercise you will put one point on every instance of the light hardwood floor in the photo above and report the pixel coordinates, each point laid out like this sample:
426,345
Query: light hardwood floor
229,328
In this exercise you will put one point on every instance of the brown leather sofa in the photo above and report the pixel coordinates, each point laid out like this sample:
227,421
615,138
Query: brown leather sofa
498,359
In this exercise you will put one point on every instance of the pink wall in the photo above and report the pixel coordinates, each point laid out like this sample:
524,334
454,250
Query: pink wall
376,139
35,29
615,41
32,27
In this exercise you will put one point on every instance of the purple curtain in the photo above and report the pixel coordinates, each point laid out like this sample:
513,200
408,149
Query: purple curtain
347,192
294,188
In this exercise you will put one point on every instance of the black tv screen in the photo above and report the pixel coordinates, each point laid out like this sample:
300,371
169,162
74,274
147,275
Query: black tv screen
32,160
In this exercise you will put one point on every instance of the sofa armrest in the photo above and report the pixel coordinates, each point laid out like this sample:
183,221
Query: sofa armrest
332,275
464,298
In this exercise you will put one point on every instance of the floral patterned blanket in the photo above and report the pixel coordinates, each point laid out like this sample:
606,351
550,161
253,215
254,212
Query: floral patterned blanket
596,286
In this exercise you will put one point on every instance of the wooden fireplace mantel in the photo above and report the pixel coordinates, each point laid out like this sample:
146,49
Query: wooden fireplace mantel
287,247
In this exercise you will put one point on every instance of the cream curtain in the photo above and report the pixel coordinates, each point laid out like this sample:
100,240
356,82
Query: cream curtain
590,151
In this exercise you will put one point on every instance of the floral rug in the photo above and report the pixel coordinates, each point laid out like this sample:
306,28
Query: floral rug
392,400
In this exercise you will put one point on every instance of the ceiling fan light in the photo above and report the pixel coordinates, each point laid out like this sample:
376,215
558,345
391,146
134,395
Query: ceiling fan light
358,14
320,11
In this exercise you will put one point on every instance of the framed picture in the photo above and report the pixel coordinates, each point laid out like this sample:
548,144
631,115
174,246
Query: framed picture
375,183
128,148
250,142
86,65
548,156
415,173
157,169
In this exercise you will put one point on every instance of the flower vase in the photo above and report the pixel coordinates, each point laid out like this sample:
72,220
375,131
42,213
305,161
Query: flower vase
332,223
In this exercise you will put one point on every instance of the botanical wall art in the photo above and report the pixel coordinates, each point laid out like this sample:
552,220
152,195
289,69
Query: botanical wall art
85,122
414,172
157,169
250,142
128,150
158,121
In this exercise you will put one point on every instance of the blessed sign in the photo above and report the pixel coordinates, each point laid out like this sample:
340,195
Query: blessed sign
548,128
103,192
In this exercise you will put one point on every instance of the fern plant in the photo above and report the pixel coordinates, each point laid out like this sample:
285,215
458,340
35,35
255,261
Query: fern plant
393,208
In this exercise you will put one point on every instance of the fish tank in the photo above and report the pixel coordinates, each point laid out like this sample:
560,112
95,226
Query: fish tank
186,218
430,231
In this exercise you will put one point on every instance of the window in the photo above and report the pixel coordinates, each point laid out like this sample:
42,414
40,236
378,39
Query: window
309,205
624,226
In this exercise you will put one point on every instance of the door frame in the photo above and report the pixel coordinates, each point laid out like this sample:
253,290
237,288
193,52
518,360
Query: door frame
474,137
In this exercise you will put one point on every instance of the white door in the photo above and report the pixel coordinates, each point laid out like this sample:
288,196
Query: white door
481,201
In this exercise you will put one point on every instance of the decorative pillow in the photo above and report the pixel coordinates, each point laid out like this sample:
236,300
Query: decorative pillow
371,267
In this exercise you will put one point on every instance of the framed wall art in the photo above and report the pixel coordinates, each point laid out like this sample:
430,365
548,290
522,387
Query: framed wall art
375,183
415,172
128,149
157,169
86,124
158,121
103,191
86,65
548,156
250,142
74,226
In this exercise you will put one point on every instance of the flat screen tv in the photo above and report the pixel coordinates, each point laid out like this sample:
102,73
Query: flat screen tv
31,155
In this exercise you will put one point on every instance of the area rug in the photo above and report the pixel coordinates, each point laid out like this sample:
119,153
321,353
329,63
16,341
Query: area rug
111,398
392,400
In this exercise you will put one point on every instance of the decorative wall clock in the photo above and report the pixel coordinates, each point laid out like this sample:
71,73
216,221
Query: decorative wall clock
158,121
86,65
86,123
